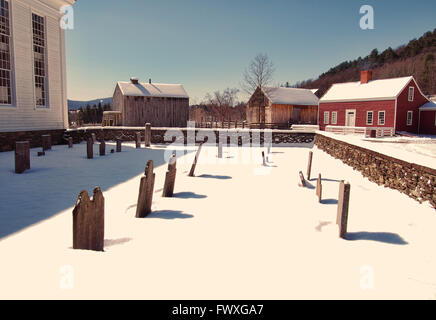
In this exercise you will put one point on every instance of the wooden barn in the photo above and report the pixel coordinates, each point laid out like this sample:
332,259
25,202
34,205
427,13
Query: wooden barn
427,118
282,106
162,105
386,103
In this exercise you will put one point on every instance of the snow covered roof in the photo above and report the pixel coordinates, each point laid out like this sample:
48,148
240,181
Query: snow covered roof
314,90
429,106
152,90
281,95
384,89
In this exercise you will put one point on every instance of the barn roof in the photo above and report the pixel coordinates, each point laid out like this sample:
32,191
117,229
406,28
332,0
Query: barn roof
384,89
429,106
152,90
294,96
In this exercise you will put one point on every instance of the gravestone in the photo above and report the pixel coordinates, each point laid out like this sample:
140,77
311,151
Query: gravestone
138,140
102,148
22,156
41,153
302,180
220,150
343,206
90,148
197,155
119,145
112,151
263,159
319,188
88,222
170,178
46,142
70,142
147,134
309,165
145,196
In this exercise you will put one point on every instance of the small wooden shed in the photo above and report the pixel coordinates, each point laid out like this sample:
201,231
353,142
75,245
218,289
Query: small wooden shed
162,105
284,106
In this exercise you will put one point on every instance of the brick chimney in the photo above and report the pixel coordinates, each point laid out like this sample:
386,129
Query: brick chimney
365,76
134,80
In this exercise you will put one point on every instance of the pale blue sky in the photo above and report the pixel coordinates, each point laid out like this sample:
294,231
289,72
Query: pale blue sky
206,45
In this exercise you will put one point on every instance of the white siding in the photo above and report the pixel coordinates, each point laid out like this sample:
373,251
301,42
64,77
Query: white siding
24,115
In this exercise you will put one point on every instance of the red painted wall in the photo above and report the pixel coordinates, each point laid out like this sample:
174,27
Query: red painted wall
404,105
361,108
428,122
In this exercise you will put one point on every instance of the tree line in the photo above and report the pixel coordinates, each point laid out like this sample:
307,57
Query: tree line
92,115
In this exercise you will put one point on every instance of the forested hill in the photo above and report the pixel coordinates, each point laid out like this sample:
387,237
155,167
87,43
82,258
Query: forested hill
417,58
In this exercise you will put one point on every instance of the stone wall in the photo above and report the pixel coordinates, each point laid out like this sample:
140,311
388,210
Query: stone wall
8,139
418,182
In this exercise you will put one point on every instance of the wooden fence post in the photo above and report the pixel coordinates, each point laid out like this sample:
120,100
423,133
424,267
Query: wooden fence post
46,142
220,149
145,196
118,145
90,148
343,206
138,140
319,188
309,165
70,142
22,156
197,155
148,135
102,148
170,178
88,222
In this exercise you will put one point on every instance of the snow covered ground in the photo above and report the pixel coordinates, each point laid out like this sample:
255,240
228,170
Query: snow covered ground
420,149
235,231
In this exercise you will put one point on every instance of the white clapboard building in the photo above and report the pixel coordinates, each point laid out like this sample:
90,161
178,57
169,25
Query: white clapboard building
32,65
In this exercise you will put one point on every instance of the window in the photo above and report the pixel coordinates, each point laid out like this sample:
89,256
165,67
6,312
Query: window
39,65
326,117
411,93
334,117
381,118
370,118
5,54
409,118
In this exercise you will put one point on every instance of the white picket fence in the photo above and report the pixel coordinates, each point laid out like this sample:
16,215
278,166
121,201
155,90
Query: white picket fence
366,131
304,127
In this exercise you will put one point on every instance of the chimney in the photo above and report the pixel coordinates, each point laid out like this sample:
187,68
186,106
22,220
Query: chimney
149,81
134,80
365,76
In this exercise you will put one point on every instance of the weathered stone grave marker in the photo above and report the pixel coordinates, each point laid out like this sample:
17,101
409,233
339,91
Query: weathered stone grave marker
343,206
119,145
88,222
302,180
197,155
90,148
319,188
70,142
46,142
147,134
22,156
263,159
170,178
138,140
309,165
102,148
41,153
145,196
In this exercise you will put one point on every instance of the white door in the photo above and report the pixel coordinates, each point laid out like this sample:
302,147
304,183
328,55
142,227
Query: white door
350,118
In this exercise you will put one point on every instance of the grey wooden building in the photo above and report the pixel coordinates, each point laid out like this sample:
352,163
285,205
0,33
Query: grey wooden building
162,105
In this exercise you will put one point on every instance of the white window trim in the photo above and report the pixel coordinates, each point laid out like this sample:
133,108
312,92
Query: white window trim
411,97
411,118
384,118
326,113
334,118
47,102
13,104
372,118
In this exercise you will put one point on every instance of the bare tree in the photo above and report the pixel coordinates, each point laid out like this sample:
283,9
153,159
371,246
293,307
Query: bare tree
258,74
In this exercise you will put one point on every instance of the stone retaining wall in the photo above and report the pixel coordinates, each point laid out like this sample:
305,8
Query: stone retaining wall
8,139
418,182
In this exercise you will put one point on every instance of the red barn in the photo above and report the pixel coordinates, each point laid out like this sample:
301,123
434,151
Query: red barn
427,118
388,103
